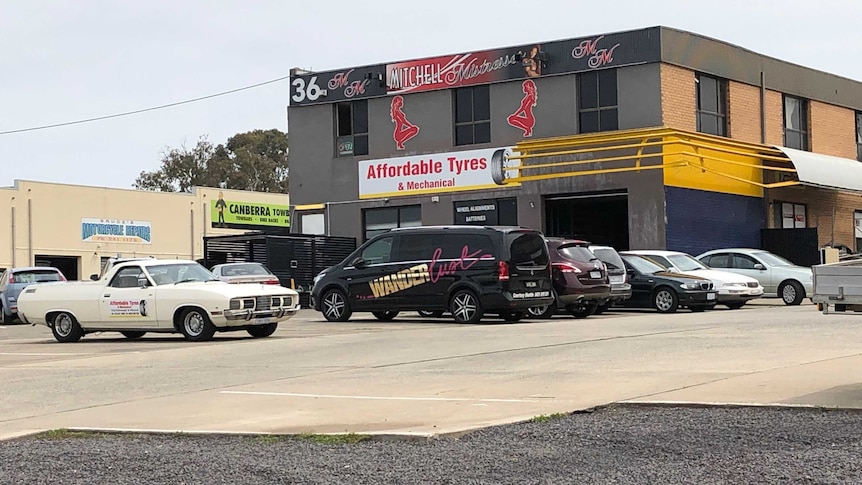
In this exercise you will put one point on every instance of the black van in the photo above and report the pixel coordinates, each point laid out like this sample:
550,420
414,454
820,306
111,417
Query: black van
469,271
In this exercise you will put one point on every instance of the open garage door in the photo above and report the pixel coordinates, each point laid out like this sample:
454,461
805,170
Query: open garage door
68,265
599,218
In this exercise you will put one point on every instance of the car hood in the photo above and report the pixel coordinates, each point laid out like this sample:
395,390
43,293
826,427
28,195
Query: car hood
236,291
680,276
721,276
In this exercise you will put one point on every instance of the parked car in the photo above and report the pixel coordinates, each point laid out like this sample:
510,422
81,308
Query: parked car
621,290
14,280
168,296
580,279
655,286
245,273
734,290
469,271
779,277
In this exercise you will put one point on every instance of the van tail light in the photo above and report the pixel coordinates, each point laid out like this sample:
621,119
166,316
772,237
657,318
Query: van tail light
503,270
566,268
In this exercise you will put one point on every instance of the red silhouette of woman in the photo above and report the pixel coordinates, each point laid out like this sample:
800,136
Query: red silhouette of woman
404,130
523,118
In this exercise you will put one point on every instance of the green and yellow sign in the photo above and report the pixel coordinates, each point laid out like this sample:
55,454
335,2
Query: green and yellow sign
228,213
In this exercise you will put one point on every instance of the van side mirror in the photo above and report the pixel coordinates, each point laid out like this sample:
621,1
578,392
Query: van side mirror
760,267
94,277
358,263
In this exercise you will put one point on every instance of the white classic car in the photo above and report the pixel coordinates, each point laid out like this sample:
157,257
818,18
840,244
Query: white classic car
168,296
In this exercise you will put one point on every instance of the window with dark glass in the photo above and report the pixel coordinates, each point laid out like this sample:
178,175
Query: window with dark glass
795,122
378,221
473,115
597,101
351,128
859,136
711,105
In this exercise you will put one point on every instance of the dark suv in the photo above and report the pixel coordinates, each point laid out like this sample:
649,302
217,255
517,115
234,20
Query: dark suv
468,271
580,279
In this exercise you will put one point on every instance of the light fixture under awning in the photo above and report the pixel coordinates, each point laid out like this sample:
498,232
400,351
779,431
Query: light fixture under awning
825,171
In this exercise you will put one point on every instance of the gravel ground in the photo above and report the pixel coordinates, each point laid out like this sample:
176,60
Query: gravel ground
617,445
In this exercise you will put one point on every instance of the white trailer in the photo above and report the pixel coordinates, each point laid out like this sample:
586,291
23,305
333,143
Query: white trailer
838,286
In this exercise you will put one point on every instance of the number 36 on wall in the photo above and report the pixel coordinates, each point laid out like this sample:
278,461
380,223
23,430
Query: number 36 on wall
310,92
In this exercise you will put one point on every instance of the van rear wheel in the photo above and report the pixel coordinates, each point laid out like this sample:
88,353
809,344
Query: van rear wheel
465,307
385,316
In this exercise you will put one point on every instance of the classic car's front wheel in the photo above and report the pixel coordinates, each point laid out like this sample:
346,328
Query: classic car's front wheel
133,334
196,325
66,328
263,330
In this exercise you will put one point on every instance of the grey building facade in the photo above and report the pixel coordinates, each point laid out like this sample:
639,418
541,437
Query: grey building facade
356,134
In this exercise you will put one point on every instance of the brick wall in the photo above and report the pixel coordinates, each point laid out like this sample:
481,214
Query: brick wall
833,130
819,204
678,98
743,112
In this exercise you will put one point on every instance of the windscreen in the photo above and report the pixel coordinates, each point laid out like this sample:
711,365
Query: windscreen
773,259
527,249
685,262
609,257
643,266
36,276
577,253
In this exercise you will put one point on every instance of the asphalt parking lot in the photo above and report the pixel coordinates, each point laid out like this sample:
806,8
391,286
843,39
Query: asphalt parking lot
425,377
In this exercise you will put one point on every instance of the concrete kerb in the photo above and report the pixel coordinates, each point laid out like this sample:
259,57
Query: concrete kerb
420,437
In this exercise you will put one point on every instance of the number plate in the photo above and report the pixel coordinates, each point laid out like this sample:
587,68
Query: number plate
262,321
595,275
616,279
530,284
710,296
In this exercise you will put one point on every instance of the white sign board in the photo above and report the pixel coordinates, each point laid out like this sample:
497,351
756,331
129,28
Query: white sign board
431,173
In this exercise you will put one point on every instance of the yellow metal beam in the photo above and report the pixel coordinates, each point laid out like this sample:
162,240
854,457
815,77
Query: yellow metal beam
679,148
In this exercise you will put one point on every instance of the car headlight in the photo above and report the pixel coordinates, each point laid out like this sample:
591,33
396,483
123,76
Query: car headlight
690,286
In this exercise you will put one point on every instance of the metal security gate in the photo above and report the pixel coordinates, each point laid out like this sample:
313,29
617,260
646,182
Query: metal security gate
799,246
295,259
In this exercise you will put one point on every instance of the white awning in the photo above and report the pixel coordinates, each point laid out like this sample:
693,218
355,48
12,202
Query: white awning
825,171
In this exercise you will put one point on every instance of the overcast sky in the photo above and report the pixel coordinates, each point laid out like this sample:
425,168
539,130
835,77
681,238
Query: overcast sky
67,60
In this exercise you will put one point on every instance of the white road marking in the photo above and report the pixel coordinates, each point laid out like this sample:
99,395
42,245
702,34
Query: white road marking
36,354
379,398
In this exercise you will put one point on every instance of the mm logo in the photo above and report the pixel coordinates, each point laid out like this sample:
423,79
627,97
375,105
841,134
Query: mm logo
402,280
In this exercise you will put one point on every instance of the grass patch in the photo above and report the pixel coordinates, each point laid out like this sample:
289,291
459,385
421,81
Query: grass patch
545,418
335,439
67,434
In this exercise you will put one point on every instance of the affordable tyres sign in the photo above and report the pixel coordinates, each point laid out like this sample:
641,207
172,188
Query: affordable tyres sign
433,173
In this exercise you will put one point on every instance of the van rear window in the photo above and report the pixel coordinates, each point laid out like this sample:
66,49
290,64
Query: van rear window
527,249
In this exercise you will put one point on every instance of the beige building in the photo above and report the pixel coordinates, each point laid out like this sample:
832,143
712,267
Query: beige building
77,228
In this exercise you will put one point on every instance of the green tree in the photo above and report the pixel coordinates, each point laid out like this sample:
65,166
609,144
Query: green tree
255,160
